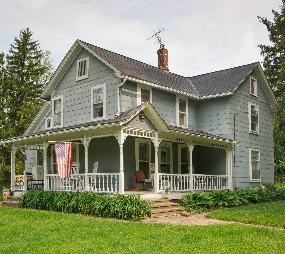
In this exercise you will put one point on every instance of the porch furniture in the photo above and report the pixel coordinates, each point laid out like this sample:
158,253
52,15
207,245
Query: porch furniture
139,177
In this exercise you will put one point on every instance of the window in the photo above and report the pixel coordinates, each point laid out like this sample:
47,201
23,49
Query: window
183,153
48,122
144,94
98,102
253,118
165,158
57,114
182,112
82,69
254,164
143,156
253,86
40,158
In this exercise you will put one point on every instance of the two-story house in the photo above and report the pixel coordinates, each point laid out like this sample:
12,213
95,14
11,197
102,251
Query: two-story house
208,132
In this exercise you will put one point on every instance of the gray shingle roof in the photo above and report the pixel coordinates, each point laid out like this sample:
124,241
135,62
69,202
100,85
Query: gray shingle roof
214,83
222,81
143,71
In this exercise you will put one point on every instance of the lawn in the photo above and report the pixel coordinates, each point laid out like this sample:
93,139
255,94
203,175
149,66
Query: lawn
271,214
31,231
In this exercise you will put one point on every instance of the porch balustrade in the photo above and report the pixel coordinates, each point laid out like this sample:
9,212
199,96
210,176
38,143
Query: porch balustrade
174,182
210,182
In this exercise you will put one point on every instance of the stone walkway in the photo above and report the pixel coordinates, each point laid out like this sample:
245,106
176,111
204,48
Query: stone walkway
194,219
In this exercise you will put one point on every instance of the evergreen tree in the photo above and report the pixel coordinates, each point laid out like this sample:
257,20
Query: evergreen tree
274,65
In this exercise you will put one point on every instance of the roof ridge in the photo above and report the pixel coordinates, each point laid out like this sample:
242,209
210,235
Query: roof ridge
223,69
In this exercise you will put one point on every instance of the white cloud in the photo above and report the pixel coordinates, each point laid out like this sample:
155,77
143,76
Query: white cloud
201,36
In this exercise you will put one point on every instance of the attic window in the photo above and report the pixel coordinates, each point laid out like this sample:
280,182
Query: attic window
82,69
144,94
253,86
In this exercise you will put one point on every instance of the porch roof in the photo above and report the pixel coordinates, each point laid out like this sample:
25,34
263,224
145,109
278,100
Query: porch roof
116,123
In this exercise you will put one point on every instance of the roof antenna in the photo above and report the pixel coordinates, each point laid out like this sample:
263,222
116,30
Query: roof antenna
157,36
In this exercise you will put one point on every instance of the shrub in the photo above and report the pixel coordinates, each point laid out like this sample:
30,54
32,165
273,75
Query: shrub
203,201
129,207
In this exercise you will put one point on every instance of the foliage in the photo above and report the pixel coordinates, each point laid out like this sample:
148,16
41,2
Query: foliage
203,201
24,72
103,205
274,65
271,214
31,231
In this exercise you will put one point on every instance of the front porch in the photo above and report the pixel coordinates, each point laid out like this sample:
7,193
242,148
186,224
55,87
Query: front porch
108,163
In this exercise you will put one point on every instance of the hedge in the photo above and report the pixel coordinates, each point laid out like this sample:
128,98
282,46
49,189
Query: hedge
129,207
204,201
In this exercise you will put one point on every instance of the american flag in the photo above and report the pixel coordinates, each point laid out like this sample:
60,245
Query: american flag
63,153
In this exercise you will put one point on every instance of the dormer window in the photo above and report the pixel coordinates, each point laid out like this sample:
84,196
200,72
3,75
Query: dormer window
57,111
144,94
82,69
98,102
253,86
182,112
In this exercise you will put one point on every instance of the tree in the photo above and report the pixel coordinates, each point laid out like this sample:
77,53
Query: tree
24,71
274,65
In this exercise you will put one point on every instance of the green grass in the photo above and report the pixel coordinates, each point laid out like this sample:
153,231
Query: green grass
31,231
271,214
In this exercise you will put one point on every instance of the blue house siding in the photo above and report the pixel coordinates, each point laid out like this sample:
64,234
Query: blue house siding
245,140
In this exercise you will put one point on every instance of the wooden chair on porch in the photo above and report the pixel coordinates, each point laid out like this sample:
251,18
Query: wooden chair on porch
139,178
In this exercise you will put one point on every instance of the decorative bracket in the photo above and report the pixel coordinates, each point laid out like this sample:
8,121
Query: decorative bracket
86,141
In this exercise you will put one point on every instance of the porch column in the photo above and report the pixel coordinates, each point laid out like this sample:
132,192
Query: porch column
86,142
13,167
46,185
121,137
229,160
156,143
190,148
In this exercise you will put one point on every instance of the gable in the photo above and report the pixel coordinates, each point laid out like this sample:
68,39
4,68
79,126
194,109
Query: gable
142,124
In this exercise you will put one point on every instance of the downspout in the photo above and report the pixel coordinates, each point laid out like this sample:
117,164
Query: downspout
119,96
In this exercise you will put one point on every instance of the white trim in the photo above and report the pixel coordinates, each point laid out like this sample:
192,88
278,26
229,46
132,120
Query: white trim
180,146
177,110
250,165
139,89
87,68
104,102
46,121
166,144
142,141
60,97
253,79
249,118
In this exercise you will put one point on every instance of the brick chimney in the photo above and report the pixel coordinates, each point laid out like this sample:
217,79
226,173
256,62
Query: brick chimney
162,54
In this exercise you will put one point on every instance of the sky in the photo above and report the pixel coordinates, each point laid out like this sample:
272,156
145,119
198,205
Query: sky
200,35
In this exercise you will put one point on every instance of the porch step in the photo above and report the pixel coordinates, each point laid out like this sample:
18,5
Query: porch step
165,208
10,203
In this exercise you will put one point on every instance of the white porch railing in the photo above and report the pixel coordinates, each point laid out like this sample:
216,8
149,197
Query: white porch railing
183,182
174,182
210,182
94,182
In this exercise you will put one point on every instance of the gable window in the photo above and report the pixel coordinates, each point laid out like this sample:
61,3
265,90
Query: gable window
253,86
182,112
144,94
253,118
82,68
57,114
98,102
254,164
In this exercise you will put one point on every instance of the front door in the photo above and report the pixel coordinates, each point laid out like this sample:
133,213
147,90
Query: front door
143,157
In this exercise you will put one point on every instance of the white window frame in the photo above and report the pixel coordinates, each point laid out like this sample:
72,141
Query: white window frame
255,86
139,92
249,118
139,141
250,165
46,123
52,111
104,102
87,68
167,144
180,146
177,110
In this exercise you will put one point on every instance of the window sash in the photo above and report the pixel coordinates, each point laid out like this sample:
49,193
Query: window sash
145,95
254,118
182,111
98,101
57,112
255,164
253,86
82,68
